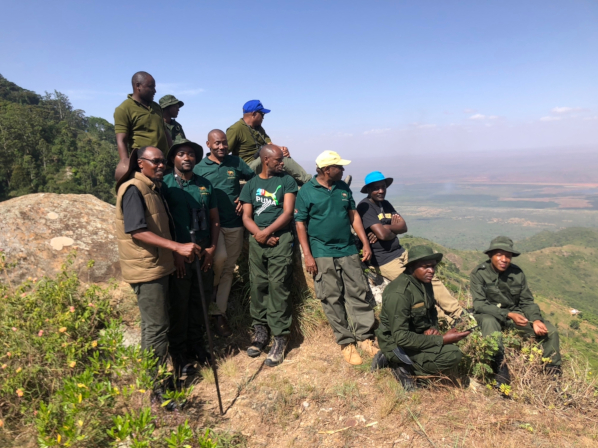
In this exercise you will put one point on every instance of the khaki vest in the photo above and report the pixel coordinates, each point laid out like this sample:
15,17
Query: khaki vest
141,262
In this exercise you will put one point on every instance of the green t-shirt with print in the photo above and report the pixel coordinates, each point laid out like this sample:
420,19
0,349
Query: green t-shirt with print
267,197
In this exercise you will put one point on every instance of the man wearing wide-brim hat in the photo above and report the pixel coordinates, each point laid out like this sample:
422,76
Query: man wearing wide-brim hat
189,194
383,224
408,335
170,110
502,299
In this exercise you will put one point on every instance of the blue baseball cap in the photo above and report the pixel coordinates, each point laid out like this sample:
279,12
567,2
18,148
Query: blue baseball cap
254,106
375,176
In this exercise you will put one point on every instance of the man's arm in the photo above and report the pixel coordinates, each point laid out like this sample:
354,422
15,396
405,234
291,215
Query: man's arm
527,303
358,227
284,219
232,137
248,221
121,144
215,233
310,263
187,250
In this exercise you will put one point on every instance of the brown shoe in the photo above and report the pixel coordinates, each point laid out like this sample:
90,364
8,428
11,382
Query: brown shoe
221,326
368,347
350,354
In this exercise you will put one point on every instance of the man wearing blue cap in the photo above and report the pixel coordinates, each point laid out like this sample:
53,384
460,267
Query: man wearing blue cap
389,258
247,136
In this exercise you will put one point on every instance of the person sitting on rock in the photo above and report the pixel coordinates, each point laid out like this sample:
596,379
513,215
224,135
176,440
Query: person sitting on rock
383,223
408,335
502,299
188,193
170,111
324,215
144,231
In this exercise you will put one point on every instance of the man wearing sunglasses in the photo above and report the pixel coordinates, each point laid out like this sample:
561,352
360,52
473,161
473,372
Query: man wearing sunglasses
247,136
145,230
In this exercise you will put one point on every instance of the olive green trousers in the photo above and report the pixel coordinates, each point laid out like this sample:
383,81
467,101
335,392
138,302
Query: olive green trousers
431,361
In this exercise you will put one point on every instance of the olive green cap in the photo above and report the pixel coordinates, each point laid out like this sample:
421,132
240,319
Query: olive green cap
503,243
184,142
422,253
169,100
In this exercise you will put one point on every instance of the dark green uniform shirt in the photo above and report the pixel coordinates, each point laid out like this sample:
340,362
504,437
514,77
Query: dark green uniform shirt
326,216
194,194
244,141
175,129
225,178
143,125
408,309
267,197
500,294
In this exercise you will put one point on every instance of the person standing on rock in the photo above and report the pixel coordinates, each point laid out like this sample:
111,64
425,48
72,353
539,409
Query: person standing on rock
138,121
186,194
268,202
144,231
225,172
502,300
389,258
170,110
247,136
410,343
324,214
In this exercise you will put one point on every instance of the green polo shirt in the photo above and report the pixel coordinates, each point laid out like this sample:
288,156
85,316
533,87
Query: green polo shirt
143,125
244,141
225,179
193,194
175,129
267,197
326,215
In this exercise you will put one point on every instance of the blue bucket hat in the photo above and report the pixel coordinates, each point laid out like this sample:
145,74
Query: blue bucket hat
375,176
254,106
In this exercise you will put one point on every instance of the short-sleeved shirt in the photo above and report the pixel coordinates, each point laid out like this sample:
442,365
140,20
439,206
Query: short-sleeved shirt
244,141
196,193
225,179
175,129
267,197
143,125
380,213
326,215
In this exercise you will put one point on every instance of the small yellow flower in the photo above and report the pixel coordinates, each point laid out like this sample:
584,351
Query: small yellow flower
19,369
141,391
94,344
58,438
80,398
72,363
19,392
62,329
80,423
81,385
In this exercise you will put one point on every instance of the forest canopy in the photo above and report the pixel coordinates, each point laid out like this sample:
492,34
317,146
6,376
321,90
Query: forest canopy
47,146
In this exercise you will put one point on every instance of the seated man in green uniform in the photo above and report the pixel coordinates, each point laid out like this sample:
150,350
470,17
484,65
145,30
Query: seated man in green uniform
170,110
138,122
502,299
247,136
408,333
187,193
268,202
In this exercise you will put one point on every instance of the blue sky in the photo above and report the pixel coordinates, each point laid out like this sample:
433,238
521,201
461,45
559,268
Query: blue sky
378,77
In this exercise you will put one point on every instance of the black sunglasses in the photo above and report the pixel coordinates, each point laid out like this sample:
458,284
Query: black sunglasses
155,161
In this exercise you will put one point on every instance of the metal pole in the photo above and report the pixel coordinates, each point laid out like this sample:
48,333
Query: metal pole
207,322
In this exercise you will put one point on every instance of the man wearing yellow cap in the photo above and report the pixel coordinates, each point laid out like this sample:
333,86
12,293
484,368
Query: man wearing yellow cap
324,213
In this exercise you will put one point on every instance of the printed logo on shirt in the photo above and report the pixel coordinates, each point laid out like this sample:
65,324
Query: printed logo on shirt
381,216
266,198
204,191
345,196
231,174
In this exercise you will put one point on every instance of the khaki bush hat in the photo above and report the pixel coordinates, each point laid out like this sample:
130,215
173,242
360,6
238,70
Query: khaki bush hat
184,142
503,243
169,100
422,253
328,158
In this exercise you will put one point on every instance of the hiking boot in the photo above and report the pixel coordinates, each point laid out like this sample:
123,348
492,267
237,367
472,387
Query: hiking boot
403,376
220,325
259,341
276,355
552,370
182,366
159,395
380,361
368,347
348,179
199,354
501,370
350,354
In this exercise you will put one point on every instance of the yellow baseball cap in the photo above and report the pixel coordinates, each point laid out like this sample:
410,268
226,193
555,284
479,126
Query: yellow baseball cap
328,158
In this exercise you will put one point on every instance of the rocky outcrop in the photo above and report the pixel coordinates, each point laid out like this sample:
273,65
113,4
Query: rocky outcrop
39,231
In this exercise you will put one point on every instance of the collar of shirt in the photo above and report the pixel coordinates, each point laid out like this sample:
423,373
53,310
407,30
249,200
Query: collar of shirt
317,184
130,96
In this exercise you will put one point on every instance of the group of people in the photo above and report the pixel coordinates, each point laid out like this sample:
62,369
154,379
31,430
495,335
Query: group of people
177,206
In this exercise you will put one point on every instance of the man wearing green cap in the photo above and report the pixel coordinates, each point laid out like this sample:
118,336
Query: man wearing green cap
188,194
170,110
383,224
408,335
247,136
502,299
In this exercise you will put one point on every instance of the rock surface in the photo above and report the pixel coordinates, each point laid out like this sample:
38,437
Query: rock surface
39,231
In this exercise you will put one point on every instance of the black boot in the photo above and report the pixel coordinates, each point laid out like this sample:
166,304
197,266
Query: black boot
199,354
259,341
159,394
501,370
276,355
552,370
380,361
405,378
182,365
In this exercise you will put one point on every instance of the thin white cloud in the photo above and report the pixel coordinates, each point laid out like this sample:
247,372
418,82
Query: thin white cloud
469,111
477,117
565,110
550,118
426,126
493,117
376,131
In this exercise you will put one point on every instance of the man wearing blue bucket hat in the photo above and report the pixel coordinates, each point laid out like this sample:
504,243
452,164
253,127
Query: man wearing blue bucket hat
383,223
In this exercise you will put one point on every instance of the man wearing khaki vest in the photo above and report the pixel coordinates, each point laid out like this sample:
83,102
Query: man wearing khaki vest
145,246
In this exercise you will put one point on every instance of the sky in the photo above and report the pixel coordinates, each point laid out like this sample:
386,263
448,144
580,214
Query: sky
377,78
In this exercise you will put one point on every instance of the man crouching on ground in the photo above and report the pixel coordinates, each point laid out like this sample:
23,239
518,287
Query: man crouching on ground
408,335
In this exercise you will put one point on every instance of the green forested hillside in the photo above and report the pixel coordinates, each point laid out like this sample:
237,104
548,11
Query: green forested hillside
47,146
576,236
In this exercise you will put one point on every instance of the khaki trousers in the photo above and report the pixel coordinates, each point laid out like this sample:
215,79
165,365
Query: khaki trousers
230,245
447,306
